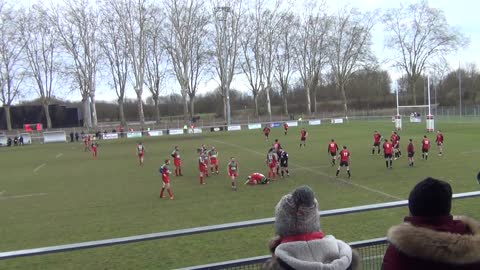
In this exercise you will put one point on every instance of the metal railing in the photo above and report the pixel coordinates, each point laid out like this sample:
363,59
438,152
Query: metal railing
371,251
365,247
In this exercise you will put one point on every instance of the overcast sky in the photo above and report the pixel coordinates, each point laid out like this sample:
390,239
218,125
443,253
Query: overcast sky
461,13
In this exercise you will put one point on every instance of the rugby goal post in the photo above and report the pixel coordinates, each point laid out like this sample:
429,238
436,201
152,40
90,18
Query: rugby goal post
54,136
427,108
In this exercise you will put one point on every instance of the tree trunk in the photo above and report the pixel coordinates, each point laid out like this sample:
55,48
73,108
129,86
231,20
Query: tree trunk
269,104
192,107
344,96
93,110
157,111
141,116
413,86
8,117
314,103
185,108
121,112
285,101
87,117
308,103
46,110
224,97
255,100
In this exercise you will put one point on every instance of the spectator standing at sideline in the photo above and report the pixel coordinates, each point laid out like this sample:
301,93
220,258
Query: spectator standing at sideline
300,244
431,238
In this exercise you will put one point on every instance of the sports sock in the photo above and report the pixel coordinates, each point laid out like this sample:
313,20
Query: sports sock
287,172
338,171
161,192
201,180
282,173
391,163
179,171
348,171
169,192
386,163
379,151
426,156
373,151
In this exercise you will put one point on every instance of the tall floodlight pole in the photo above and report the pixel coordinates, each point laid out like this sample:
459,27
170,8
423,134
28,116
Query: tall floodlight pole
221,13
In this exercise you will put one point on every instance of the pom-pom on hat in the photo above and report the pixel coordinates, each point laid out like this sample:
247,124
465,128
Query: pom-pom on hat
297,213
430,198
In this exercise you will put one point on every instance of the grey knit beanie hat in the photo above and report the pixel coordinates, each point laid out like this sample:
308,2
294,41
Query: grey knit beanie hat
297,213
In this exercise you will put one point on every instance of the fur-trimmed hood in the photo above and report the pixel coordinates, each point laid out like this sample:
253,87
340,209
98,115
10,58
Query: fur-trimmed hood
439,246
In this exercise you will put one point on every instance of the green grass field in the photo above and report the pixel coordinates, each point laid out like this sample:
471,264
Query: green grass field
73,198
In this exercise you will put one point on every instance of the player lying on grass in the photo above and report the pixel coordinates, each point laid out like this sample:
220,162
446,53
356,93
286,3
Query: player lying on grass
257,179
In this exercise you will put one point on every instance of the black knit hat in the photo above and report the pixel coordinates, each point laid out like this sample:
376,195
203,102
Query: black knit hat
430,198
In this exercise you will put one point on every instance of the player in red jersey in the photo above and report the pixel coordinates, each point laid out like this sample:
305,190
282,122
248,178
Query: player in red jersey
303,137
94,147
177,161
140,152
257,178
410,152
86,142
206,159
165,172
233,172
439,141
344,157
332,150
213,158
202,165
266,132
387,152
285,127
376,142
425,147
272,162
395,138
278,148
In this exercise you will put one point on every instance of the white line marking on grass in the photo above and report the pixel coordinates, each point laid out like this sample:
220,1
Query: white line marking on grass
59,155
39,167
319,173
470,152
22,196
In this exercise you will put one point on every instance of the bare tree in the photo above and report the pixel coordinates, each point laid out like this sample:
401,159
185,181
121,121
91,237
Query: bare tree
350,48
77,25
186,45
134,16
257,51
419,34
12,47
269,21
156,61
226,40
42,54
284,53
311,51
114,48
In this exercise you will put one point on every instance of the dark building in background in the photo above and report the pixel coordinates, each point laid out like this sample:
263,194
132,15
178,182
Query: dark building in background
61,116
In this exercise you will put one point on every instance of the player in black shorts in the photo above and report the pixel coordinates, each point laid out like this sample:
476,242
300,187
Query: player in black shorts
284,163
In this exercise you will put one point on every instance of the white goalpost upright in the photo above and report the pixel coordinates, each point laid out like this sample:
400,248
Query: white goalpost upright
429,118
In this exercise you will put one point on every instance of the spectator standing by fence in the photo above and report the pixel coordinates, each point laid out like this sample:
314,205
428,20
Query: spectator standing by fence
431,238
300,244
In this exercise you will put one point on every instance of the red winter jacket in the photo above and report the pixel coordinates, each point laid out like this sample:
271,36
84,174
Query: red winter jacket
438,243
